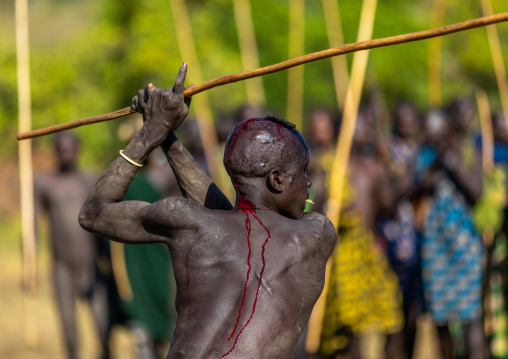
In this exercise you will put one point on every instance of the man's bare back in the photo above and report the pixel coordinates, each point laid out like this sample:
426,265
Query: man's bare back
211,279
248,277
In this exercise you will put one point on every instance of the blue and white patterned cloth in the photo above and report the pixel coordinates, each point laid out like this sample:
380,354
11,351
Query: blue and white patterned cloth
452,252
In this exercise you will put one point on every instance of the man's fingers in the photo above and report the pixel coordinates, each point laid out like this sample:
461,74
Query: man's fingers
134,105
180,80
187,100
139,101
154,101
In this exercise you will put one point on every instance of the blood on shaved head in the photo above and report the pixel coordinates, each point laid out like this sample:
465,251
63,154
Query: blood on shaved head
258,145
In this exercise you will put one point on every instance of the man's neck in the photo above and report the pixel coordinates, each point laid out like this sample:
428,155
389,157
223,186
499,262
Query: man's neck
251,196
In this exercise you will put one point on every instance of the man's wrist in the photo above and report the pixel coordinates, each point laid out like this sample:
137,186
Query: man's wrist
139,148
169,141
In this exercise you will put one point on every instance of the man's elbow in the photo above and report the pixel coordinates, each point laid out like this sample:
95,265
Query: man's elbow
86,219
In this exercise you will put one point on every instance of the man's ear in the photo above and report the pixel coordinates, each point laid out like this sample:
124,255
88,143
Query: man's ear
274,182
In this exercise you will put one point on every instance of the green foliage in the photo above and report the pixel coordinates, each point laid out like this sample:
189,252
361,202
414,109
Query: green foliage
91,57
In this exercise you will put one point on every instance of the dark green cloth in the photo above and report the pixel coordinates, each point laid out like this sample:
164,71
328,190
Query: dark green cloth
150,274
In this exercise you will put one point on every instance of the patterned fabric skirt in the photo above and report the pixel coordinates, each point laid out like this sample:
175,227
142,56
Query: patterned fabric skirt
452,258
363,292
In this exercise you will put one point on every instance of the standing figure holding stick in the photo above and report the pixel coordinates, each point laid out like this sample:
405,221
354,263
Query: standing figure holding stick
247,277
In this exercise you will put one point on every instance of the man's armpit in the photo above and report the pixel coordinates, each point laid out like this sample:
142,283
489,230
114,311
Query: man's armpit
172,214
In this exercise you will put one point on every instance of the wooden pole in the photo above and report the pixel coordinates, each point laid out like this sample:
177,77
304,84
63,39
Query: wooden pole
294,110
497,59
249,50
341,50
26,174
340,165
120,273
201,105
434,60
486,128
335,39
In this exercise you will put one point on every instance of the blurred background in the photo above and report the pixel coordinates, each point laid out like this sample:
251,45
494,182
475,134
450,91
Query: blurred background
91,57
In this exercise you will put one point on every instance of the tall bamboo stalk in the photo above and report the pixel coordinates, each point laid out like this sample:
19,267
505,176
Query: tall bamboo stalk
201,104
486,128
336,39
26,174
294,111
434,60
249,50
120,272
340,165
497,59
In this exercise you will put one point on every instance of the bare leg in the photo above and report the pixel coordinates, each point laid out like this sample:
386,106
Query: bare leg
355,347
411,311
474,339
65,295
445,341
393,345
99,306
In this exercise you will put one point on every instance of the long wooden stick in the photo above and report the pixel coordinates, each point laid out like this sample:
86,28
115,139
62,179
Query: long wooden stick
341,50
26,175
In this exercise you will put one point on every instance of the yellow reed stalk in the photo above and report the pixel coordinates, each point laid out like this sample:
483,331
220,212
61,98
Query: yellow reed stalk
335,39
486,128
434,61
201,104
26,174
294,111
249,50
497,59
339,170
120,272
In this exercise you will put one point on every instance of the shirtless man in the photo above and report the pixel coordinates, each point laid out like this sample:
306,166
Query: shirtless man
74,251
247,277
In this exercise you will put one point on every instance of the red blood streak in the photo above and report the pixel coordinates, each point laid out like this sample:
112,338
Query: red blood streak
248,208
247,227
254,214
278,129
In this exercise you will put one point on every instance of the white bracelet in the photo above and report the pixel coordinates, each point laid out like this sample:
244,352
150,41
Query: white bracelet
129,160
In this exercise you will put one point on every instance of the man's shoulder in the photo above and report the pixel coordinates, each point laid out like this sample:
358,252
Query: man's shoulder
183,207
320,230
314,221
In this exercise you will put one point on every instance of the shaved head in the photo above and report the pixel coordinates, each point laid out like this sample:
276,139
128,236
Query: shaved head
258,145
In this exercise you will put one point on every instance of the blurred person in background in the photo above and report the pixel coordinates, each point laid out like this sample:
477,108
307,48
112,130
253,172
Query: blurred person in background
363,293
398,231
79,270
491,221
322,134
449,176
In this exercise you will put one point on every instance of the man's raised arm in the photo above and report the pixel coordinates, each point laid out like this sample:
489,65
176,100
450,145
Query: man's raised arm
194,183
104,212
